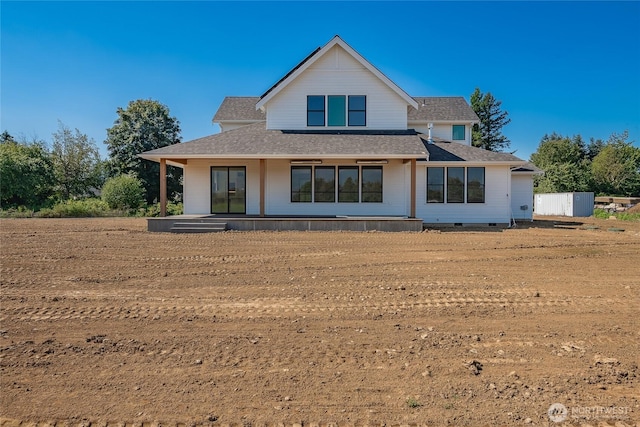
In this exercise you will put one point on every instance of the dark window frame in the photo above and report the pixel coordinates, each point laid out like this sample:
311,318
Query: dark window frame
364,195
437,187
313,111
331,113
296,194
471,197
354,110
316,191
455,193
453,132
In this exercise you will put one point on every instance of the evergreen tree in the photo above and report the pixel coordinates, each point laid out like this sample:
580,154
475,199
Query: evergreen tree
488,133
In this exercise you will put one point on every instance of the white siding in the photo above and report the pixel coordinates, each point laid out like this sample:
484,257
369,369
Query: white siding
522,196
197,184
197,190
278,189
495,209
444,131
337,73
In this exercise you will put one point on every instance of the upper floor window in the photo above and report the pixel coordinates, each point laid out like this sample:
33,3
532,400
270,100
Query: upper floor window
357,110
337,110
315,110
458,133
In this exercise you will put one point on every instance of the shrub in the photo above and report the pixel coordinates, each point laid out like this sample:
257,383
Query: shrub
76,209
123,192
154,210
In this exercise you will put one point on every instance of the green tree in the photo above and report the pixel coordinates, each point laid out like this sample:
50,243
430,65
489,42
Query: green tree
565,164
616,168
144,125
488,133
26,175
123,192
76,163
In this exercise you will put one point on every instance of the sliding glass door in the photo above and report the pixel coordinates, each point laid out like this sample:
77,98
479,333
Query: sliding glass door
228,189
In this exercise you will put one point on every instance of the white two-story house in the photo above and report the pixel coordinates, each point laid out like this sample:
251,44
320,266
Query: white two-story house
335,137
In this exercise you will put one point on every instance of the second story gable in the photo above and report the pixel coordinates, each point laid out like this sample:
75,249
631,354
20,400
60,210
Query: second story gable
336,88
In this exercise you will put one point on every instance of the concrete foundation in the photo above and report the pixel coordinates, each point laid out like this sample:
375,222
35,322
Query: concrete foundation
291,223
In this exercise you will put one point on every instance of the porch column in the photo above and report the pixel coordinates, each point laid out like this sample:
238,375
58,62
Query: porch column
163,187
413,188
262,185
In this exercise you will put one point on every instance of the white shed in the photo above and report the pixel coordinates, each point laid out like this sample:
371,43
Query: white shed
564,204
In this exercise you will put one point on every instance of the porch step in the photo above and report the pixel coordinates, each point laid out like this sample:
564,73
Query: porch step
197,226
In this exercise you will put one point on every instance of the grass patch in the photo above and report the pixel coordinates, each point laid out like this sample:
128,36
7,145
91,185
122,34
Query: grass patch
413,403
623,216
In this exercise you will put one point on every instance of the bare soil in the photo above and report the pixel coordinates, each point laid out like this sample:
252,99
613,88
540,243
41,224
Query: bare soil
104,323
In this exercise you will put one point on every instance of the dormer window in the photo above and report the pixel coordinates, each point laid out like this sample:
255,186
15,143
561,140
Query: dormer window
340,110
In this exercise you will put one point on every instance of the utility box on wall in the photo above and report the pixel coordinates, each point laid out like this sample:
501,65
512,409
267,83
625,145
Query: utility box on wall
564,204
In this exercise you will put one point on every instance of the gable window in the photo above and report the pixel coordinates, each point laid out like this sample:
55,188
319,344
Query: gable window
435,185
315,110
372,184
301,184
325,184
455,185
458,133
475,185
357,110
337,110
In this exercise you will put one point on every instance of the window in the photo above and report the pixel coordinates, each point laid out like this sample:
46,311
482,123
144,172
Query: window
301,184
325,184
228,189
315,110
372,184
458,133
348,184
455,185
336,115
435,185
357,110
475,185
355,184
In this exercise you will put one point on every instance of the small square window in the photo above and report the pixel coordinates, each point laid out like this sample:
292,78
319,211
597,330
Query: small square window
458,133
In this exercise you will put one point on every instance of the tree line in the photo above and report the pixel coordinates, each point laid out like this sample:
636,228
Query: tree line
36,175
570,164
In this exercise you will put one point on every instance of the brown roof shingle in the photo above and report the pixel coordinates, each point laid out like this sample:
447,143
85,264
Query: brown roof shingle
433,109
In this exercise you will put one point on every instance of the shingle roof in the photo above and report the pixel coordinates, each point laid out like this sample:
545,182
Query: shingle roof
441,109
442,151
241,108
255,141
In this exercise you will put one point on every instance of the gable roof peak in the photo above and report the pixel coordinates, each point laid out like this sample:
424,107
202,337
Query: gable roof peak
318,53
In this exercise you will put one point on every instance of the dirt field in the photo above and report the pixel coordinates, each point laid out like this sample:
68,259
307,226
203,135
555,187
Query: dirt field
105,324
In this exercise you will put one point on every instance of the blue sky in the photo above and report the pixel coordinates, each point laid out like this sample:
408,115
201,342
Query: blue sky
566,67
